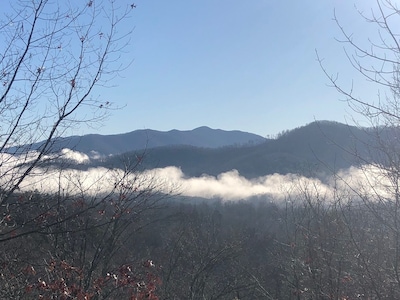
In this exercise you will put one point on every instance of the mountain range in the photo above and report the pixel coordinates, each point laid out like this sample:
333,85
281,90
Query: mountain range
312,149
106,145
317,147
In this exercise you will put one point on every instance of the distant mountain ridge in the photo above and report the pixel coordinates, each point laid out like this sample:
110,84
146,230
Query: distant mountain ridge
318,146
204,137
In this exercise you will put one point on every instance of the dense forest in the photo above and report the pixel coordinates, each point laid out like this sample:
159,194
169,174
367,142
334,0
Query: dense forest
156,247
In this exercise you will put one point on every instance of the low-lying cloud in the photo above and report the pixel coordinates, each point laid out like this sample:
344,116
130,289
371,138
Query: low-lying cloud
228,186
232,186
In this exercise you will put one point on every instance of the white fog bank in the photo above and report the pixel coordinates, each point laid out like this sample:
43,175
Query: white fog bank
228,186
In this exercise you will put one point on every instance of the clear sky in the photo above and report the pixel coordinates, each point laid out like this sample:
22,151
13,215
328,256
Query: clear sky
246,65
234,65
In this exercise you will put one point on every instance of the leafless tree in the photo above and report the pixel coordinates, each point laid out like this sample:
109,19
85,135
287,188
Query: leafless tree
377,61
53,56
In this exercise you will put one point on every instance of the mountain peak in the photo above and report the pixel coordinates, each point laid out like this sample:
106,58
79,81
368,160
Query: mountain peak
203,128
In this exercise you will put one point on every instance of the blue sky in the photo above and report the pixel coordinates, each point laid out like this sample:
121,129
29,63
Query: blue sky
247,65
233,65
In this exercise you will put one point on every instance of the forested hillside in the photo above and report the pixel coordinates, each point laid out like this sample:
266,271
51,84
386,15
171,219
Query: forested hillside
317,147
180,249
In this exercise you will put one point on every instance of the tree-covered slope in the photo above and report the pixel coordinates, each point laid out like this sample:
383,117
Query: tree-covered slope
316,146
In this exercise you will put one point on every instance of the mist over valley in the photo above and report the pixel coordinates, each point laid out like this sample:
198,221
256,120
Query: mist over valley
212,164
